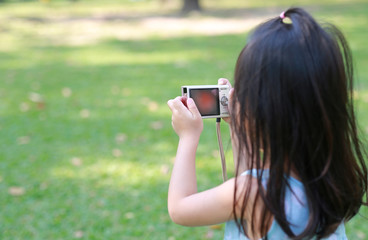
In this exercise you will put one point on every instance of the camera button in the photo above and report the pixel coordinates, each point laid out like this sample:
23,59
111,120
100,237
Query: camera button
224,101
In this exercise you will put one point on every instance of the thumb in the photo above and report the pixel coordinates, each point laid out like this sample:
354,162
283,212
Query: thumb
193,108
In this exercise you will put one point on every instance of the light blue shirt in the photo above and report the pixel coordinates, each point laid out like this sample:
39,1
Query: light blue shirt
296,209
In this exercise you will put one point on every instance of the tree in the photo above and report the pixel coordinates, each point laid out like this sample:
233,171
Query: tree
191,5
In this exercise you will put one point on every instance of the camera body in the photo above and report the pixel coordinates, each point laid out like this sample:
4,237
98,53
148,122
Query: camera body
211,100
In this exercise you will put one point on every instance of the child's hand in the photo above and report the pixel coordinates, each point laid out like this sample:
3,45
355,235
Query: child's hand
224,81
186,119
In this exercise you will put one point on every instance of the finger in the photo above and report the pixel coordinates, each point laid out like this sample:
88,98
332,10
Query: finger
170,104
178,108
193,108
178,104
224,81
173,103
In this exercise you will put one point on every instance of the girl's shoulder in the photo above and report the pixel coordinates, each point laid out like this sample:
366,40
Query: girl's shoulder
247,187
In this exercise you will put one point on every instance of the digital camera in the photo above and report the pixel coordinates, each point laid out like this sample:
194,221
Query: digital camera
211,100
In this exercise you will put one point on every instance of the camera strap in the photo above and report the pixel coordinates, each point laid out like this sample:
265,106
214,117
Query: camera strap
223,161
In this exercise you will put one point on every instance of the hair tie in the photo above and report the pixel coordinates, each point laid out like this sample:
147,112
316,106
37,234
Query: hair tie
284,19
282,15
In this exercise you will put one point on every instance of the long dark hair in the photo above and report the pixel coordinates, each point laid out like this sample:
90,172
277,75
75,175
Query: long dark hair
293,107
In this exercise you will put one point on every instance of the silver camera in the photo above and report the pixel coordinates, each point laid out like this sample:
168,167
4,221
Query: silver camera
211,100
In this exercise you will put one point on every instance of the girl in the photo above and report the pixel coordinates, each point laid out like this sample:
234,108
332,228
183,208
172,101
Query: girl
300,170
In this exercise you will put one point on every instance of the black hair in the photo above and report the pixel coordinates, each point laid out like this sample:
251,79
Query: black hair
293,107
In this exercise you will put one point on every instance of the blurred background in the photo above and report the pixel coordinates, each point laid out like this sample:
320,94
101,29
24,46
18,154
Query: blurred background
86,145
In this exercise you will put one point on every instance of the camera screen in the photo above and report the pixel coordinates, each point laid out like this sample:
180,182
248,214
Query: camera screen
207,100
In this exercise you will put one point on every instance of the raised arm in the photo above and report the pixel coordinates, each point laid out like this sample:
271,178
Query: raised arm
186,206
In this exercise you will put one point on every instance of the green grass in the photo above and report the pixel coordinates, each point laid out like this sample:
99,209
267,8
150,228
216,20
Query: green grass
86,144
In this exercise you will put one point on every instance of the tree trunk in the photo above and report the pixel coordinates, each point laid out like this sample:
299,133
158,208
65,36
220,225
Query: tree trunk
191,5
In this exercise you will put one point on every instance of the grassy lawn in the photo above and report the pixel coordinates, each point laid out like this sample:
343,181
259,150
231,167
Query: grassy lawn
86,144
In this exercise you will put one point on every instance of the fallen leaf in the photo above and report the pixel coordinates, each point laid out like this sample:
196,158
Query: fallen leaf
365,97
152,106
24,107
216,227
180,64
129,215
165,169
84,113
23,140
40,105
78,234
215,153
116,152
35,97
76,161
361,235
66,92
157,125
126,92
120,137
356,95
16,191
